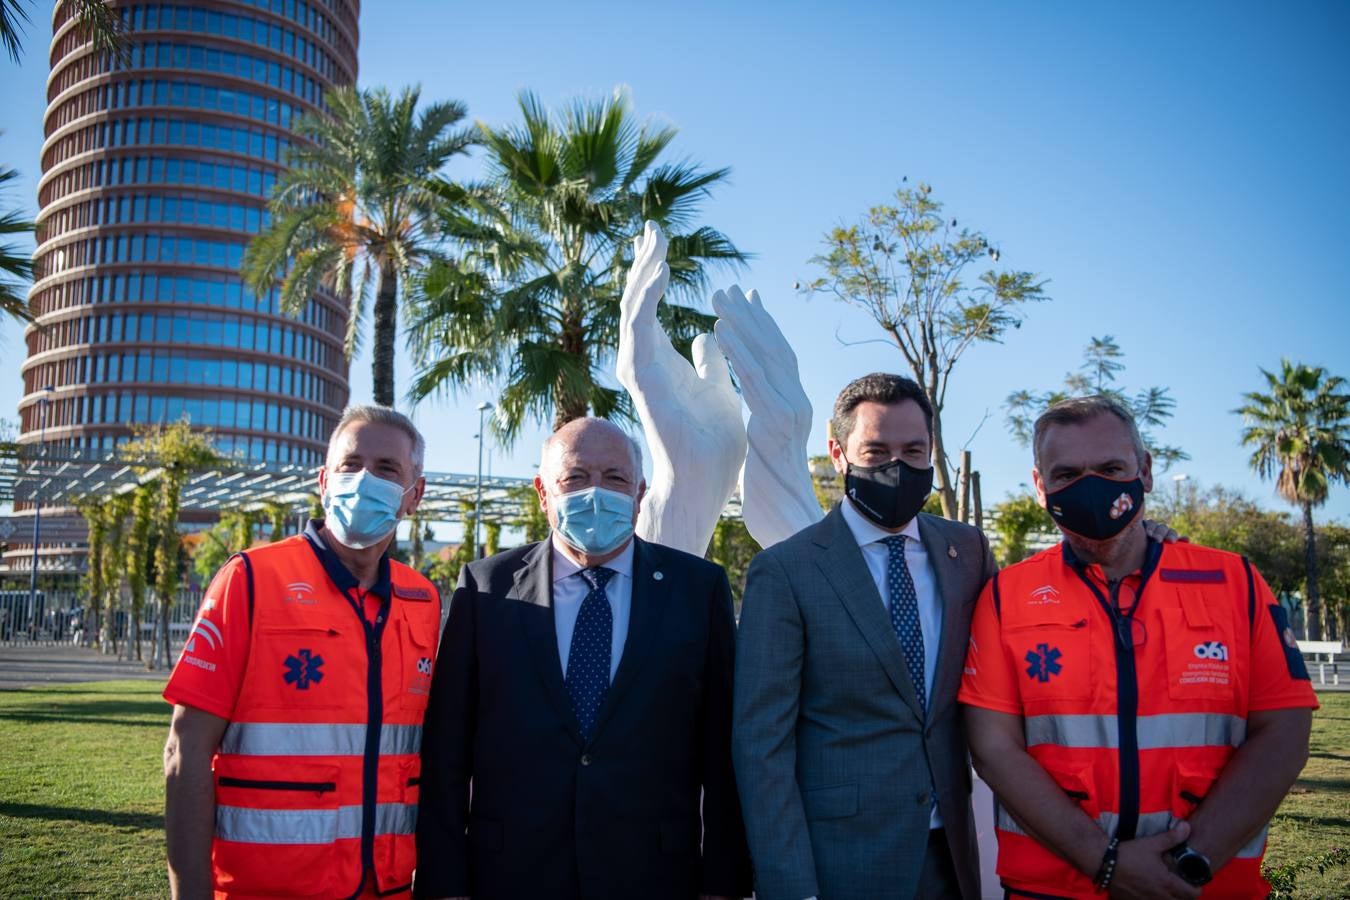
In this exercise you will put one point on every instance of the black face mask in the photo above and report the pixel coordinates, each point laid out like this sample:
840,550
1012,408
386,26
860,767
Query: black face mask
1095,507
888,495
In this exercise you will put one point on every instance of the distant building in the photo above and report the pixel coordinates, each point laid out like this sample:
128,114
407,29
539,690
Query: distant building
155,176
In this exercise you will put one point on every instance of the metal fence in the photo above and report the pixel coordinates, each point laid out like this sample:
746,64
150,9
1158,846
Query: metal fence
51,618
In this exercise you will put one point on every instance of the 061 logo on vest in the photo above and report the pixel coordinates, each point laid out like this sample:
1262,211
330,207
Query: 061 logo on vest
302,668
1043,662
1211,650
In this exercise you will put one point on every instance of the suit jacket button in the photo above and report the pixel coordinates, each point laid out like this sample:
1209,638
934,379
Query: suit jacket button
921,798
585,759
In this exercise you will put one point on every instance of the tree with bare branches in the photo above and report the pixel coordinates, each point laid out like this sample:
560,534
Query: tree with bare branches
906,265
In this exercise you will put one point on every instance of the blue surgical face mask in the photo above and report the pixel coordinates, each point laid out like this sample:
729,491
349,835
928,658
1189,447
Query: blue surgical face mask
361,509
594,521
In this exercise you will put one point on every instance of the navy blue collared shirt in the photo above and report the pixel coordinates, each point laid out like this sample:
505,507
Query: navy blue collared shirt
380,592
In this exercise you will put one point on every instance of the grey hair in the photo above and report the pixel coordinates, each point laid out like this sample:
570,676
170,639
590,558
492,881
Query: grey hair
382,415
1076,410
634,448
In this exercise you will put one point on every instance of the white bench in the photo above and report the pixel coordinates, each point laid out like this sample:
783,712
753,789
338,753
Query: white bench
1329,649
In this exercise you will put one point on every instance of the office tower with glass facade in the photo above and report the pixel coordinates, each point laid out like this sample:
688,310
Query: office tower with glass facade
155,175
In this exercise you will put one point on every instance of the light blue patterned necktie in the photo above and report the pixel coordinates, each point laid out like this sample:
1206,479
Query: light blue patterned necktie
904,603
589,657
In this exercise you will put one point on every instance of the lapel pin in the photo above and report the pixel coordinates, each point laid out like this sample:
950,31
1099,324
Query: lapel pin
657,576
951,551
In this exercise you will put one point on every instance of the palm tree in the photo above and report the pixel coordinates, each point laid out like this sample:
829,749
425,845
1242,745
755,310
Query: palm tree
534,298
1300,432
15,265
98,20
356,202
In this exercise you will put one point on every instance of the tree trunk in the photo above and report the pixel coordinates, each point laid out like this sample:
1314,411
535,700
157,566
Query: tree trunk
385,323
941,476
567,405
1314,602
136,625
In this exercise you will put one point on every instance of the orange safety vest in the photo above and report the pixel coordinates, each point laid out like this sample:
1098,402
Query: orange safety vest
1134,720
316,777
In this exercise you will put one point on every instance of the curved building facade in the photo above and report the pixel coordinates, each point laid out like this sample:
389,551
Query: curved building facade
156,174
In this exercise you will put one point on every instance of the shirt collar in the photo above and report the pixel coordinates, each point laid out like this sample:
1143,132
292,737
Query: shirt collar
564,566
339,573
1151,557
867,532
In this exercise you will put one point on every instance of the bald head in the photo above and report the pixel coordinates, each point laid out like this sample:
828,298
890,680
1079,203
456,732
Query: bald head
590,440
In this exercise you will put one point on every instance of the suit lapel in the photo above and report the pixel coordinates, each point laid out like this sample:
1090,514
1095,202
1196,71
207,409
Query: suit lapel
651,590
844,567
951,654
534,589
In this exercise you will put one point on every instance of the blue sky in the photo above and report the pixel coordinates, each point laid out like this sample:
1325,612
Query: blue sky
1177,171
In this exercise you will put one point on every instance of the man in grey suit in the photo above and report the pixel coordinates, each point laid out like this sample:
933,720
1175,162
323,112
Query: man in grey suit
848,746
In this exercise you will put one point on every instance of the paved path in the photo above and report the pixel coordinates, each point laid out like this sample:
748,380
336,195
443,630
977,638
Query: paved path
25,666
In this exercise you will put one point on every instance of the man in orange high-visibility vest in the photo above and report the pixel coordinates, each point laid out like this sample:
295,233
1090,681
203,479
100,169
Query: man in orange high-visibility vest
292,764
1139,709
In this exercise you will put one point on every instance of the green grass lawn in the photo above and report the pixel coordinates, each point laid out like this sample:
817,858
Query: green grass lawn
81,794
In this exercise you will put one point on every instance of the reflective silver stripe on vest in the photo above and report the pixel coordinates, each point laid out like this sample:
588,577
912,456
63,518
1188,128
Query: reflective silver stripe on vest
296,739
1155,732
1149,824
309,826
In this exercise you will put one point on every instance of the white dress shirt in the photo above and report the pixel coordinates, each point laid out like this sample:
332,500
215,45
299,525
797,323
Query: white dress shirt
877,556
570,589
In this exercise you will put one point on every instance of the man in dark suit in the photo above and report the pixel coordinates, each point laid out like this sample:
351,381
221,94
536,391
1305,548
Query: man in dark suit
583,691
849,749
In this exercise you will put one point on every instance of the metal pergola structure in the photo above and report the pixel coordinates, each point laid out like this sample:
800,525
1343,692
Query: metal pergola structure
58,478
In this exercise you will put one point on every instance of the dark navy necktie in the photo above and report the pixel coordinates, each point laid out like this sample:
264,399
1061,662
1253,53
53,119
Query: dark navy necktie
904,602
589,657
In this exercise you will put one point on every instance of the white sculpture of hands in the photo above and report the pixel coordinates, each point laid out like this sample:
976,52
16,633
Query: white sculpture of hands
777,497
691,415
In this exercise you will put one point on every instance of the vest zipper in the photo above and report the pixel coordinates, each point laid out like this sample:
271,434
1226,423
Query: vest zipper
321,787
1127,693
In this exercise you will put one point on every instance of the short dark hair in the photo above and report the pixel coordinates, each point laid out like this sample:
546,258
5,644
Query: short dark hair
1077,410
879,387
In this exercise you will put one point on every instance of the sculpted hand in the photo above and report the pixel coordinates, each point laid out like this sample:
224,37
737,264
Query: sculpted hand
1143,873
778,498
691,415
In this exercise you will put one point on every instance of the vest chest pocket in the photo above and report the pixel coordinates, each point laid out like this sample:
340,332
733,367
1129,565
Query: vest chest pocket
1199,646
419,656
1052,652
300,667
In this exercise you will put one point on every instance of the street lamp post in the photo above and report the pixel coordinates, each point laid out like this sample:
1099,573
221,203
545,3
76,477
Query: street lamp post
478,491
37,509
1176,482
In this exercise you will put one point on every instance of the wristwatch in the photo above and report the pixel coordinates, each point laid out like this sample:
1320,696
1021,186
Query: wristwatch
1192,865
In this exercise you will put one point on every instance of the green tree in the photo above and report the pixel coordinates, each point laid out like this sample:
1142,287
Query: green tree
174,452
732,548
277,515
232,533
534,298
492,537
1299,433
357,203
16,268
91,509
139,554
1015,521
114,511
1151,407
903,264
533,521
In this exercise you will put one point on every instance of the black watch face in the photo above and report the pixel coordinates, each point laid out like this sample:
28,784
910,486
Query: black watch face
1193,868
